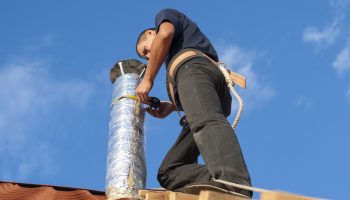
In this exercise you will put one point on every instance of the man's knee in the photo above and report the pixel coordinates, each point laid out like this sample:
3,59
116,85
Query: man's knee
217,121
163,177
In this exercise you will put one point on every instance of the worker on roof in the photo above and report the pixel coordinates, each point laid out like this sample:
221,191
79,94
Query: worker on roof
201,92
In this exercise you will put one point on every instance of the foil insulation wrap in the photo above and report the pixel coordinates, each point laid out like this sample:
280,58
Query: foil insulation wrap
126,166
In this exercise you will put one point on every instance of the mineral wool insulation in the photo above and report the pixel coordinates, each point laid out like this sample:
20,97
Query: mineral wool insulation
126,167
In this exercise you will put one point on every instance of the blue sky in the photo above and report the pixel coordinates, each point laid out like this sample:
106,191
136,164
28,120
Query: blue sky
55,92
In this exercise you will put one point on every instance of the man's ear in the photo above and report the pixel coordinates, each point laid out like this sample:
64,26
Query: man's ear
151,32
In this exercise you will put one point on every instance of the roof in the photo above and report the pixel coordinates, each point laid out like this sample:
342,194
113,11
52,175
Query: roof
19,191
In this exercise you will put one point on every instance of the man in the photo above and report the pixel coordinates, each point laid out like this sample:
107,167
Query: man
202,93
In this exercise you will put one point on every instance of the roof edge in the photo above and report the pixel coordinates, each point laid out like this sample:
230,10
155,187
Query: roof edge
59,188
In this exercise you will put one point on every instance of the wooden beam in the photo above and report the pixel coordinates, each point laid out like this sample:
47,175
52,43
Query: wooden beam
165,195
278,195
155,195
212,195
142,194
182,196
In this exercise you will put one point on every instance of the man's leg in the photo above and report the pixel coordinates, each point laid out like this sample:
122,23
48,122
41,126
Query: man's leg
204,97
179,166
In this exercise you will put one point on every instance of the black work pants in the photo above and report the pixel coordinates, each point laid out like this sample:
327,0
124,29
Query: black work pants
206,101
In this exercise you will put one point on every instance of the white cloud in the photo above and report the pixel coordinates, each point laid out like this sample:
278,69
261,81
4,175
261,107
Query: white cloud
328,35
242,62
304,102
325,37
29,96
342,61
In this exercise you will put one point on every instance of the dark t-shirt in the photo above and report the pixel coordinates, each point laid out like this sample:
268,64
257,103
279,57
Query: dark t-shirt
187,34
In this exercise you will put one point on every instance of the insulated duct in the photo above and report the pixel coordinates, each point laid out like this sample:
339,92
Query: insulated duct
126,166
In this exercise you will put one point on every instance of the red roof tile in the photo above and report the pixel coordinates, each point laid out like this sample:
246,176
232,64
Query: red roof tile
22,191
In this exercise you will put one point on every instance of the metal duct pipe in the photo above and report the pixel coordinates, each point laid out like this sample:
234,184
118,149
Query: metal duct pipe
126,166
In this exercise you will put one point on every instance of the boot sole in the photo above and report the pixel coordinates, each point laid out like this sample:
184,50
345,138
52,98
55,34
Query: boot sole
196,189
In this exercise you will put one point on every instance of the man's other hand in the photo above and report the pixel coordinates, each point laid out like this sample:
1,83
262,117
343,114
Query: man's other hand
164,109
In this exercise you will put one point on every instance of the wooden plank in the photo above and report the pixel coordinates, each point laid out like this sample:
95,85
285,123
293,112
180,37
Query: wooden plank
165,195
212,195
182,196
155,195
142,194
279,195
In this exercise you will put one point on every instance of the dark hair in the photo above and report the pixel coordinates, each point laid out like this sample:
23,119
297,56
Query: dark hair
141,37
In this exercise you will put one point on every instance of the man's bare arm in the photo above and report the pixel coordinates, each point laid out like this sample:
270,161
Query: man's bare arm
159,50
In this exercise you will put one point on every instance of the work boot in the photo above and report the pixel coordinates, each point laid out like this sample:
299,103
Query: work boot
195,188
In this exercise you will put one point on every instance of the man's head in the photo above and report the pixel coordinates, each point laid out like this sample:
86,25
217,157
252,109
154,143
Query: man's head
144,43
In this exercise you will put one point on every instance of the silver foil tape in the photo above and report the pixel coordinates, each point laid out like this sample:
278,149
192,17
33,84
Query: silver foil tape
126,166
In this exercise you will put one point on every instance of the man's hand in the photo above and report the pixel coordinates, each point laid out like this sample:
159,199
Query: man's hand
143,90
164,109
